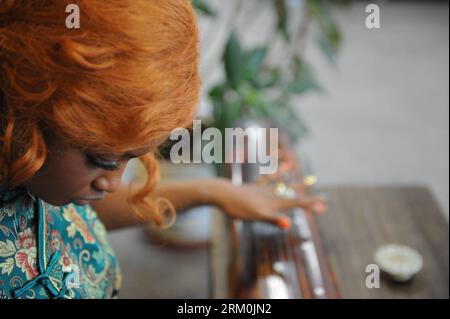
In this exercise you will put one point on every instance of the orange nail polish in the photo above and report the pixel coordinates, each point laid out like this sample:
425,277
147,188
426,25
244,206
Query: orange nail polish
284,223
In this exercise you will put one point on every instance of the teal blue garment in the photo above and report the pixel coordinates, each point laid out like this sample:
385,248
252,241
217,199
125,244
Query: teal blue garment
53,252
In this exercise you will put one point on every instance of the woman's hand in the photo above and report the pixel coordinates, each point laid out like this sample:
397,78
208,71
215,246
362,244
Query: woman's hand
249,202
252,202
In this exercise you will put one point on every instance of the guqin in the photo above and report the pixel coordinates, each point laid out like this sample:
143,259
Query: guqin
253,260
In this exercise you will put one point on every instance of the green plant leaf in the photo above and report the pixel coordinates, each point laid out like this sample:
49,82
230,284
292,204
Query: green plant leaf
304,79
328,48
267,79
202,7
233,112
254,62
226,113
282,16
287,119
217,92
330,38
233,59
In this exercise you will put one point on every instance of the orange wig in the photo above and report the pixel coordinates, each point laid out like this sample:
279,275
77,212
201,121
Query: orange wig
123,80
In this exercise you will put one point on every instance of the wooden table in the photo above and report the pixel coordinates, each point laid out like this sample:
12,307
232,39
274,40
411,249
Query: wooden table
363,218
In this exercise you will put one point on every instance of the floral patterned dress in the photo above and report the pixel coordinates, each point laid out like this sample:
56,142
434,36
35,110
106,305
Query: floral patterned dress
53,252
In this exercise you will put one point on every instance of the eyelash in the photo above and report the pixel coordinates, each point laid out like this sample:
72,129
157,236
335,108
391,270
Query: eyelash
106,165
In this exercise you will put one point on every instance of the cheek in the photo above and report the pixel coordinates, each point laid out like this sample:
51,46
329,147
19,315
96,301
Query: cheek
74,179
68,177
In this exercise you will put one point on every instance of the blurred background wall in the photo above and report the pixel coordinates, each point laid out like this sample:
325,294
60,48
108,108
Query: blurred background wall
385,118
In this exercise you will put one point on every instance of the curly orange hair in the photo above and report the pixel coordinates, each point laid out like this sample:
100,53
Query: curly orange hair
125,79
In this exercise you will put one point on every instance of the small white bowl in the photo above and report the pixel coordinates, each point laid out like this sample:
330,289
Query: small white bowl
398,261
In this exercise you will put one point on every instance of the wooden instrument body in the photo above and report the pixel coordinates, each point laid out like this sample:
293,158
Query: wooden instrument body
252,260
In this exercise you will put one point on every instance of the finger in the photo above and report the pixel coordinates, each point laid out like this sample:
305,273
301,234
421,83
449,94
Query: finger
277,219
284,223
320,206
315,204
299,187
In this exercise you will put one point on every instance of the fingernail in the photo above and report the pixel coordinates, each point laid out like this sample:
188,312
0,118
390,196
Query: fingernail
320,207
284,223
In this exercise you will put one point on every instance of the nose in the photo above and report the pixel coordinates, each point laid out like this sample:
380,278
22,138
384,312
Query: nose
108,181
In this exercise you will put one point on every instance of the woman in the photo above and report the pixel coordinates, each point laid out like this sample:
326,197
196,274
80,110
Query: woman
76,105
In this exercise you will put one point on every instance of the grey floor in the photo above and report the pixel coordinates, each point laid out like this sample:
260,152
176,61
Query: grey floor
384,120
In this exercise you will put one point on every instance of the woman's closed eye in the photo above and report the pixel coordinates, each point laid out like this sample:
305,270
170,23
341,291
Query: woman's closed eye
109,165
